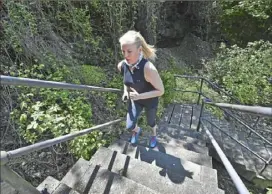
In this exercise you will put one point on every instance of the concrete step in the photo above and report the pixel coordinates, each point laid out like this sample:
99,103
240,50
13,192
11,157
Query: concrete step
167,149
196,114
188,143
169,162
180,115
267,173
233,151
176,115
189,116
156,178
178,132
52,186
86,177
7,188
217,134
167,114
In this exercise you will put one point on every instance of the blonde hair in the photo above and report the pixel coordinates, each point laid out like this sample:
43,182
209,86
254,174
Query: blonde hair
133,37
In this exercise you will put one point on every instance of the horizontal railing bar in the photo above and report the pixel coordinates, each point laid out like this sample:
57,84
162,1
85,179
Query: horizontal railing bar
251,109
48,143
202,94
210,83
240,186
16,81
257,155
187,91
188,76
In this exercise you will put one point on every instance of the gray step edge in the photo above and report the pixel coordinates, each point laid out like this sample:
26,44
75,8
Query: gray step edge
179,152
167,161
162,130
187,143
6,188
86,177
54,186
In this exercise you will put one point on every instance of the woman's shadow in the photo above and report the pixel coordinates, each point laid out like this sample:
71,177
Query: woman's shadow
171,165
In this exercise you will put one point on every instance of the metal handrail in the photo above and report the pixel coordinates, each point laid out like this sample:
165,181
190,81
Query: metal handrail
6,156
9,175
16,81
234,176
17,181
267,111
240,186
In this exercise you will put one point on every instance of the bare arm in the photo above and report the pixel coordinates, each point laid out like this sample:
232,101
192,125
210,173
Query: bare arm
152,76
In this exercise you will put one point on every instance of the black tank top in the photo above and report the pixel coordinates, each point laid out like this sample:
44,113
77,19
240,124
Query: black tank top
137,81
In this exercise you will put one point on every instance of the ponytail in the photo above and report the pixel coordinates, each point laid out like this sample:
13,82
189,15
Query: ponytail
133,37
148,50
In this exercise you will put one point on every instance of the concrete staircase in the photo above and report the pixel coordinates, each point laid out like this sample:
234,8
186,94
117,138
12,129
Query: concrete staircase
180,163
174,166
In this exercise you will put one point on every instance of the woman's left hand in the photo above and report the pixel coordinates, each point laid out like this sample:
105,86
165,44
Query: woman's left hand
134,95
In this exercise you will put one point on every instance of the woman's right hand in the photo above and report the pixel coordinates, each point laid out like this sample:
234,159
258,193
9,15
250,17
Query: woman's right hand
125,97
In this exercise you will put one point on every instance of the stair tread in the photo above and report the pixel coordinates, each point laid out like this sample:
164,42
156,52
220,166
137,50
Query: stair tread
170,161
106,180
178,132
7,188
167,114
63,189
196,114
162,180
197,145
188,143
186,116
267,173
178,152
53,186
176,116
86,177
181,115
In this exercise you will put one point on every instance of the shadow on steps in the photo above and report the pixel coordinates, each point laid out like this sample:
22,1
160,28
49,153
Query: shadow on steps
177,172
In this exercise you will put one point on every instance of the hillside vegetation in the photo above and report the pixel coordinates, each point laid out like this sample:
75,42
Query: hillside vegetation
77,42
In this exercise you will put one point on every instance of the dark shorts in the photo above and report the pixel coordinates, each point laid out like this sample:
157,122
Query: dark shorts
134,111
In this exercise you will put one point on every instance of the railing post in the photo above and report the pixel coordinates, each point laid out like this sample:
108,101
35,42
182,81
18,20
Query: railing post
200,91
191,119
200,115
16,181
266,164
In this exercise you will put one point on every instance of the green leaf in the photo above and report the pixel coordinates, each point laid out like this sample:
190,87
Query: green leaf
23,105
23,118
32,125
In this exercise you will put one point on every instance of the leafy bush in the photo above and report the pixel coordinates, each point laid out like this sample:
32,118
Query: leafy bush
49,113
244,72
246,21
92,75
